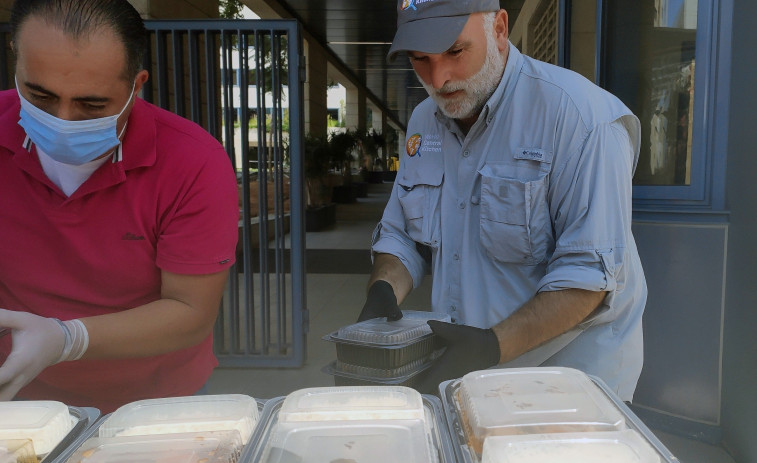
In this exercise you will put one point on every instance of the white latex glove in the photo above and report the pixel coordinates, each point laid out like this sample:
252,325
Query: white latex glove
37,343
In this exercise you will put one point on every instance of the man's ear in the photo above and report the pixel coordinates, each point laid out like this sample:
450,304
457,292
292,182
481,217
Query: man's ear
502,33
140,80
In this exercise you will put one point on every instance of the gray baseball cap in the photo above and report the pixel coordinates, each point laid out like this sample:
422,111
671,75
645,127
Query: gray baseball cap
432,26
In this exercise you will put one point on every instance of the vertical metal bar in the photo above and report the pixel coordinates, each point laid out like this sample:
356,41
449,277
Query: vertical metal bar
228,126
277,128
211,67
600,73
244,121
195,95
177,40
265,288
162,67
564,28
297,193
147,88
4,62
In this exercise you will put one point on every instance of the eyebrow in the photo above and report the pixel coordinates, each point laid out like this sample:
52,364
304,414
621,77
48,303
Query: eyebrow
87,99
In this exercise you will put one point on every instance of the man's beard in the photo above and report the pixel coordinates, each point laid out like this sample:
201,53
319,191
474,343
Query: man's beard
476,89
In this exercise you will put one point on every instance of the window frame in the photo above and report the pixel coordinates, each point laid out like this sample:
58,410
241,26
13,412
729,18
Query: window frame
711,112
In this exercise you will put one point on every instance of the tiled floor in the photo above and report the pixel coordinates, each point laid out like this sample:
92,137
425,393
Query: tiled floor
334,300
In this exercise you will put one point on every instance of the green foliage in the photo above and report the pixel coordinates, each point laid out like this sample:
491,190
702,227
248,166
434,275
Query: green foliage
230,9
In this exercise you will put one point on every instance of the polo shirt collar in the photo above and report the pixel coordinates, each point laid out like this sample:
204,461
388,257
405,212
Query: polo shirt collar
138,148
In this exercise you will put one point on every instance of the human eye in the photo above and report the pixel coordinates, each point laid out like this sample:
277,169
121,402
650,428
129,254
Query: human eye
455,51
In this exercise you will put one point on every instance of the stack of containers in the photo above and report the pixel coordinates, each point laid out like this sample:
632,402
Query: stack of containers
537,415
43,428
382,352
207,429
366,424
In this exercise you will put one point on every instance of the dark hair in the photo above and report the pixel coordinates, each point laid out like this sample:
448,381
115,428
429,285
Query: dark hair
80,18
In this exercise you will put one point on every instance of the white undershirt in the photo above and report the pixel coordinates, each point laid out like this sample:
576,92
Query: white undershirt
66,176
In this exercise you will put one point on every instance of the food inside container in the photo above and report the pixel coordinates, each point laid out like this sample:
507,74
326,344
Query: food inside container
17,451
204,447
352,403
532,401
184,414
625,446
379,343
347,374
46,423
339,441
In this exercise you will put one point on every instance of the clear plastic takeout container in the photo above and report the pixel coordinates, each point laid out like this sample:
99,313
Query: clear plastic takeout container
626,446
352,424
184,414
17,451
46,423
204,447
379,343
532,401
352,403
374,441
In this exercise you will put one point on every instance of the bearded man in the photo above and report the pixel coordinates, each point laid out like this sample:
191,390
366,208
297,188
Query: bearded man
515,189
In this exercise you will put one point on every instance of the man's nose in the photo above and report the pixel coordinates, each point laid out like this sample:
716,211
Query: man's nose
440,74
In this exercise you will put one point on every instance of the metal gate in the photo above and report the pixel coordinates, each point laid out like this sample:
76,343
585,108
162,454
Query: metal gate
242,80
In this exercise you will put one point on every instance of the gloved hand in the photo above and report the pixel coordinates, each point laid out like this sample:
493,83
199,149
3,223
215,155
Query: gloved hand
37,343
381,302
467,349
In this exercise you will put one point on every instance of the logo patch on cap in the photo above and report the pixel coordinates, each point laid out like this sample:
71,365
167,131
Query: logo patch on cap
408,4
414,144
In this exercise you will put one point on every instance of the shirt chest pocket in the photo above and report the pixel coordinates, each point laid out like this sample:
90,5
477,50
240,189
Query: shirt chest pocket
515,224
420,197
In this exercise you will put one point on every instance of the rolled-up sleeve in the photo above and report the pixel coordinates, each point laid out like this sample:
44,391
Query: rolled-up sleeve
390,237
590,206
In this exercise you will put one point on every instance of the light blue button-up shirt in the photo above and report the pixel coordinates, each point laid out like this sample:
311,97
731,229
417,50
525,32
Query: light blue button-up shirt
536,197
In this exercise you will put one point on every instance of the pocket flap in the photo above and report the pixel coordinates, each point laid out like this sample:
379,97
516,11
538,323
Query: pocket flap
429,171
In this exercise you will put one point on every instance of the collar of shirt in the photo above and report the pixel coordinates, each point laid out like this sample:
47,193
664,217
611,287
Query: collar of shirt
501,93
138,145
138,142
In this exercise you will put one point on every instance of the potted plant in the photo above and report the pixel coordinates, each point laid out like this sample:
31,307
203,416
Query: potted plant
371,142
342,145
320,212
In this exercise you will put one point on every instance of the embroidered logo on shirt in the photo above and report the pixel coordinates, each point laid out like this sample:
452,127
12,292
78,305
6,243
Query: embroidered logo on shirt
532,154
414,144
132,237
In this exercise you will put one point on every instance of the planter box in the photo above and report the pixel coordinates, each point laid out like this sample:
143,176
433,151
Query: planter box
320,218
344,194
374,176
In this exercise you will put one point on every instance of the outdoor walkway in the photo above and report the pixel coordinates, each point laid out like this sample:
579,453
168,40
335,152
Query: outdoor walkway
334,300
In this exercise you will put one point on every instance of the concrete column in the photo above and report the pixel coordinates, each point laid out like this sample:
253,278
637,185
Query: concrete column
356,109
315,90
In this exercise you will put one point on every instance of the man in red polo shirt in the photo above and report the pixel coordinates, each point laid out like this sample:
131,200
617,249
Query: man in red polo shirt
118,220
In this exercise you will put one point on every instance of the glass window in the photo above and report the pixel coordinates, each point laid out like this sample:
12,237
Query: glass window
650,64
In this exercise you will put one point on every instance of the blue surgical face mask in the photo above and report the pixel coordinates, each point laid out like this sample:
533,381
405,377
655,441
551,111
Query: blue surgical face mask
70,142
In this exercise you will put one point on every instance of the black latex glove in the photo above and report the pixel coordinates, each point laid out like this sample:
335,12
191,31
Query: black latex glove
468,349
381,302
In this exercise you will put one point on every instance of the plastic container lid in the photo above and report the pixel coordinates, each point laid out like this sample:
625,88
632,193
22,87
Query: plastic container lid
184,414
17,451
204,447
45,422
596,447
364,442
378,331
534,401
352,403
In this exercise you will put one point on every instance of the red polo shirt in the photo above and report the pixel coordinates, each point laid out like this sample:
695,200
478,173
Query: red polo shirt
170,204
